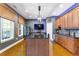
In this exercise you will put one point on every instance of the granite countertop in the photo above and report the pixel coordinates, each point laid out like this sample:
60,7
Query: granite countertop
68,36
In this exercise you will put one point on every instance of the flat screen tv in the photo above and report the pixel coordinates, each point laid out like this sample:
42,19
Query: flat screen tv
39,26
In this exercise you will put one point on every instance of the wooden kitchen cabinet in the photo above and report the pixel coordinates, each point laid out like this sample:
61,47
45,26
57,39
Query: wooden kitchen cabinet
59,22
77,46
67,42
62,22
71,44
64,41
75,18
65,21
56,23
59,39
70,20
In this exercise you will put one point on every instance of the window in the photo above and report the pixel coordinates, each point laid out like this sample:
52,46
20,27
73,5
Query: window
20,29
7,30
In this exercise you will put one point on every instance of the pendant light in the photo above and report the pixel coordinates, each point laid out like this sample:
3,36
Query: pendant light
39,16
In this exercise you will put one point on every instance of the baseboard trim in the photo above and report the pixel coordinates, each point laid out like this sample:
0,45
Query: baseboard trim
10,46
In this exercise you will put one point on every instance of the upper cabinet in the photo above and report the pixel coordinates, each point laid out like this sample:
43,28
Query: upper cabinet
75,17
65,18
57,23
70,20
61,22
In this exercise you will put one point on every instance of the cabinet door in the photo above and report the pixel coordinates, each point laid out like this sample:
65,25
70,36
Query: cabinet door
69,20
64,41
57,23
60,40
78,15
62,22
65,21
70,45
75,18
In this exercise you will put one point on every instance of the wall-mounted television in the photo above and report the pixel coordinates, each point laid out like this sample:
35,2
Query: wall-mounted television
39,26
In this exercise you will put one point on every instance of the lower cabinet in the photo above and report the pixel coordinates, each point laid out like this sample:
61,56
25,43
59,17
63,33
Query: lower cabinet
71,44
67,42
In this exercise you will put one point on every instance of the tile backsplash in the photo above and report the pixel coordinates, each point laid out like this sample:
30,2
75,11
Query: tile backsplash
72,32
69,32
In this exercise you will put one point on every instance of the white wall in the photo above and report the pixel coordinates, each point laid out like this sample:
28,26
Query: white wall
50,28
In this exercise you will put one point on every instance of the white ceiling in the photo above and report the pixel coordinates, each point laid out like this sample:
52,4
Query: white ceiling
30,10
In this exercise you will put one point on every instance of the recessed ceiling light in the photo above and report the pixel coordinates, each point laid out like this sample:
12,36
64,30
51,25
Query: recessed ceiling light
26,10
61,6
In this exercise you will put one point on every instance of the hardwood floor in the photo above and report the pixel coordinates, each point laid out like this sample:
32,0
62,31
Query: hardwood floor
42,47
17,50
37,47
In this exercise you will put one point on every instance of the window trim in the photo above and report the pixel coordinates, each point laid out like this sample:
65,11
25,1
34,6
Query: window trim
8,39
18,30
